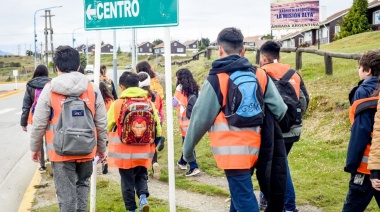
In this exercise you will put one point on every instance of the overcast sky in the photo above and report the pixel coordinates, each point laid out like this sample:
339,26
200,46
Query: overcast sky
197,18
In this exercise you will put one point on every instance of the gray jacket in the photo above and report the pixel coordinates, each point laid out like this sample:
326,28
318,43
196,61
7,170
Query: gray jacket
68,84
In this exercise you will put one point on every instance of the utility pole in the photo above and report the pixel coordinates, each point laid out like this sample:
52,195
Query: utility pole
41,52
46,32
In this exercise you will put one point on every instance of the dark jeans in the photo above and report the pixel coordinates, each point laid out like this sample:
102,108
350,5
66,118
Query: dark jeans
181,161
290,195
134,179
359,196
72,182
242,197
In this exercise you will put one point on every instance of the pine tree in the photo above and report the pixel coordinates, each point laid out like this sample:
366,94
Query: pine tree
356,20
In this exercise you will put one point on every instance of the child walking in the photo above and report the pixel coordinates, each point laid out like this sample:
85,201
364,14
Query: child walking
185,96
156,99
362,115
128,152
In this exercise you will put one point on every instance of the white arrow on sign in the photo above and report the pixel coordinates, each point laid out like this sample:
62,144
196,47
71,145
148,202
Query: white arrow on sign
90,12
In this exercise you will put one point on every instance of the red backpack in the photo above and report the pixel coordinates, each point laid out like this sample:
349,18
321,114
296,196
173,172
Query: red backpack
136,122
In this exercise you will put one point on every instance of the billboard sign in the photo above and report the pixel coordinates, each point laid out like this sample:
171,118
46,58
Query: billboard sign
286,14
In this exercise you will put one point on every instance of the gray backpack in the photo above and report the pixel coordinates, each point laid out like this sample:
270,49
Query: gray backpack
75,131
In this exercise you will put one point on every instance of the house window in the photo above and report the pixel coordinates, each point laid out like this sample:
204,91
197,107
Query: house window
162,50
147,44
337,30
141,49
324,32
194,46
175,44
180,50
376,17
292,42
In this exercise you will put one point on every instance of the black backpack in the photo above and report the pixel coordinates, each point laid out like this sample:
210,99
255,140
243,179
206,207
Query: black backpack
293,114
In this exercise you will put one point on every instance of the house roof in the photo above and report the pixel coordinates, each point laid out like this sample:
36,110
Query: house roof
252,38
189,42
335,16
143,43
161,45
290,35
373,4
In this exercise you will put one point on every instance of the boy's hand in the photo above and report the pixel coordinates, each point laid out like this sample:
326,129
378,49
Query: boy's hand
36,156
101,155
376,184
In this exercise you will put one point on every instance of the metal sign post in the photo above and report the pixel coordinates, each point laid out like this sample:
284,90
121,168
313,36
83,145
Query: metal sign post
15,73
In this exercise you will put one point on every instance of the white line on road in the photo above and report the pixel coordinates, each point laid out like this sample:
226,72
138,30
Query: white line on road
7,110
19,113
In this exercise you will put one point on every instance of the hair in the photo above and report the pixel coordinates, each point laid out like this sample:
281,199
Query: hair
66,59
41,71
104,91
186,79
81,69
271,50
103,68
371,60
144,66
129,79
143,76
231,40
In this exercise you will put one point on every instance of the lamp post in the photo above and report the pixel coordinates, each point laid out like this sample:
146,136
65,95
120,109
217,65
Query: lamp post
72,35
35,34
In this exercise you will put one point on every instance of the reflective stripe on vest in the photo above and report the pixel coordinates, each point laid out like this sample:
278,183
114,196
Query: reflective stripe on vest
233,147
56,101
127,156
235,150
363,168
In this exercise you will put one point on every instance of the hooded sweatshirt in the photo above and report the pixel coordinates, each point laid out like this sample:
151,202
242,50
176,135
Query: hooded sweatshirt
210,99
68,84
31,86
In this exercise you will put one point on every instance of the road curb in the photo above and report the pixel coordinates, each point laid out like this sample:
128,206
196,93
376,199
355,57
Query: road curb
27,200
11,93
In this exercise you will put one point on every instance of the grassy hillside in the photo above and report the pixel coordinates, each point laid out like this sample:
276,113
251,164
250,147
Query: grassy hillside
316,161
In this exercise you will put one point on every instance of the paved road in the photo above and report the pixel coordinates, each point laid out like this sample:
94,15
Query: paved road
17,168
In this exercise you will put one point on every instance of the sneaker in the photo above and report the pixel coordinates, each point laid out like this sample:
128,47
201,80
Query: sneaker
104,167
42,169
144,207
192,172
161,144
263,202
156,171
181,166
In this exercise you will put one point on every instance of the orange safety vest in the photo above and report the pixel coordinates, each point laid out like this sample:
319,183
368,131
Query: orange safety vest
182,119
277,70
126,156
56,103
357,107
233,147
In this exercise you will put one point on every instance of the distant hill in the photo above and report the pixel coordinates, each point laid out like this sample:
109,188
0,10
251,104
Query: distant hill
4,53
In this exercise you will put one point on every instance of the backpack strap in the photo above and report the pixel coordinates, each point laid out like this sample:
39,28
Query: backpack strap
288,75
153,99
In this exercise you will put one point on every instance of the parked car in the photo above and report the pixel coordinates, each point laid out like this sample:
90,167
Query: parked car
128,67
89,69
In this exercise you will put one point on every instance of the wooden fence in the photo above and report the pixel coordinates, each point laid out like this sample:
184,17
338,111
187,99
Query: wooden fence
326,54
194,57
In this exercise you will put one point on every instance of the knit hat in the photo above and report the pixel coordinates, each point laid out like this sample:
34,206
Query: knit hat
145,82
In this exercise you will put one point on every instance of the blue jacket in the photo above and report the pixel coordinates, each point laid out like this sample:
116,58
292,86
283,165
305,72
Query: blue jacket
362,126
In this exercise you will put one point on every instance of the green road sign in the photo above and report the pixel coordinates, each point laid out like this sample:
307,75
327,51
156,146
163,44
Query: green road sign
116,14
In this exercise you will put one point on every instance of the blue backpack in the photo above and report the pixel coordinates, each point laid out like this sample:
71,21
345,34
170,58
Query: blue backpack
243,102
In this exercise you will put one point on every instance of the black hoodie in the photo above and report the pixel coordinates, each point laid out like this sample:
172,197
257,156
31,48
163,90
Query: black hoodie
31,86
